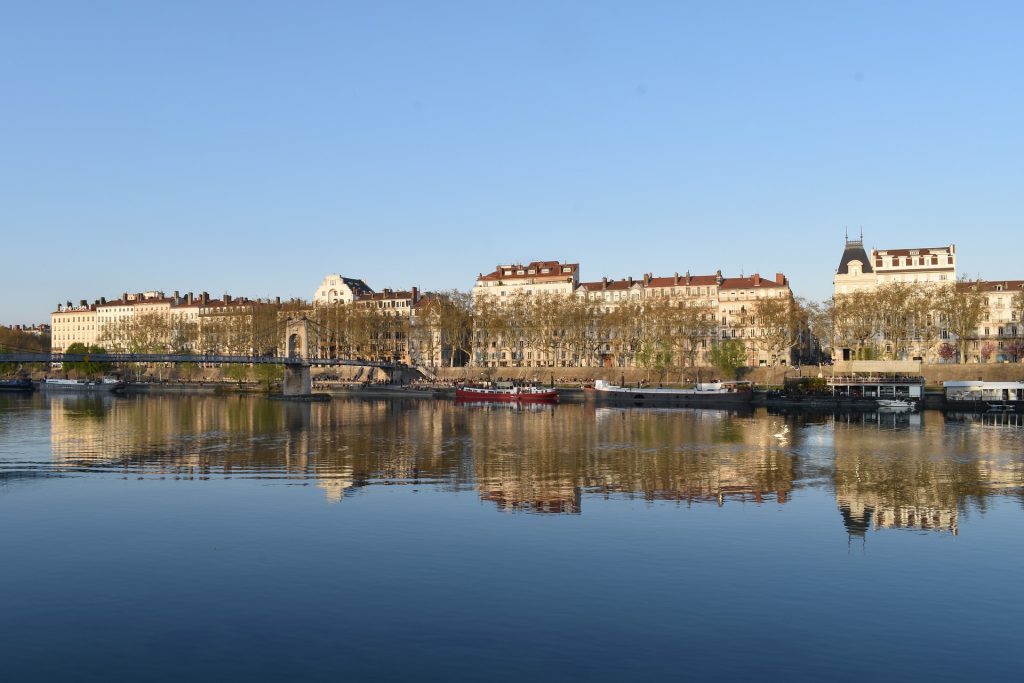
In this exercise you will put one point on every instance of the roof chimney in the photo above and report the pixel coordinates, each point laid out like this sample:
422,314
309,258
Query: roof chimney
630,280
718,276
103,300
277,300
83,303
604,283
189,298
204,298
124,296
687,278
757,279
647,278
675,278
227,298
780,279
415,294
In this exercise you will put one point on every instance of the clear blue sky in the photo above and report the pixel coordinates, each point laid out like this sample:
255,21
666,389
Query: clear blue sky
253,147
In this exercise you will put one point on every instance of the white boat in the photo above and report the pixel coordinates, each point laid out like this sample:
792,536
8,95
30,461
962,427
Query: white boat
705,393
895,404
107,384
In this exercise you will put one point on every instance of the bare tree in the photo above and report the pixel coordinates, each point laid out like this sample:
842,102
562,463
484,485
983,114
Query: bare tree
821,323
856,320
963,306
781,321
895,315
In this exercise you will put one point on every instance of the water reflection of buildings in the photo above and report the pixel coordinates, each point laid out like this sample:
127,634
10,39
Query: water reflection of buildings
186,437
887,472
707,455
535,461
921,475
546,463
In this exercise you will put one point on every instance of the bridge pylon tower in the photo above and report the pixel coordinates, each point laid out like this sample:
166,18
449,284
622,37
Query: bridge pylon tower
297,381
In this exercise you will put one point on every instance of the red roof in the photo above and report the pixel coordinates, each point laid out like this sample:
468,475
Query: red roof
695,281
611,285
1000,285
554,268
384,296
753,282
428,298
921,251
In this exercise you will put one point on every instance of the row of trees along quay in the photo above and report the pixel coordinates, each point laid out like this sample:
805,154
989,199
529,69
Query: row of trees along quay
662,334
899,320
448,329
336,330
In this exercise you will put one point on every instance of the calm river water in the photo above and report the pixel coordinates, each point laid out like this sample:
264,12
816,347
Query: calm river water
233,538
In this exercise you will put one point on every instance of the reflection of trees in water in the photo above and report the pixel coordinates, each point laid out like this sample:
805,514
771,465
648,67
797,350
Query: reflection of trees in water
921,478
535,460
695,455
83,406
547,460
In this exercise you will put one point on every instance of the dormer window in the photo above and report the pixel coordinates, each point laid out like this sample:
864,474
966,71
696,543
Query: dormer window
566,269
545,271
520,272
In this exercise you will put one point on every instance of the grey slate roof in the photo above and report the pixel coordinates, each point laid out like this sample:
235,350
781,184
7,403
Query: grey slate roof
854,251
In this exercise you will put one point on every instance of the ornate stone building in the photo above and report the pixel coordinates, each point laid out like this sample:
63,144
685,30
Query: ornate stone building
731,304
336,288
923,265
1000,335
114,323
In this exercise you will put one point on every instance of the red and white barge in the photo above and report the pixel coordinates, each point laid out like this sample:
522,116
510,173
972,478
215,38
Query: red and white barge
506,392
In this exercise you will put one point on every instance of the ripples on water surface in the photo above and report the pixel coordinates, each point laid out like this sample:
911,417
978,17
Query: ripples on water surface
228,537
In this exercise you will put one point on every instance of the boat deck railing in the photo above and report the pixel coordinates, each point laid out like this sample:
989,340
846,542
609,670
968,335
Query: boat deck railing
860,380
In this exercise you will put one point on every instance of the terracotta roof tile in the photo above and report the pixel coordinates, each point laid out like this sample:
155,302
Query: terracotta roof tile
695,281
383,296
1013,286
748,283
921,251
537,266
612,285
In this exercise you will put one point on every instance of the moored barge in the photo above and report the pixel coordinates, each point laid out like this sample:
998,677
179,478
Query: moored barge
507,392
704,394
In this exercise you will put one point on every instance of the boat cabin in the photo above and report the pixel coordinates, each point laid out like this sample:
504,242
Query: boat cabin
877,380
983,391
